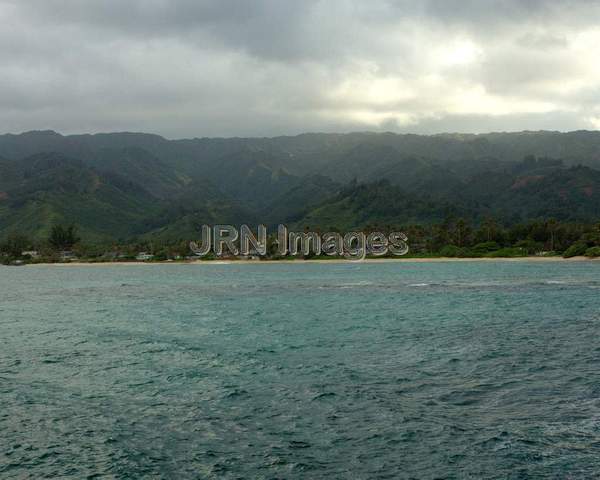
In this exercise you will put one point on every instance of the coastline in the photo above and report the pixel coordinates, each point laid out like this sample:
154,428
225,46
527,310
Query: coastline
321,261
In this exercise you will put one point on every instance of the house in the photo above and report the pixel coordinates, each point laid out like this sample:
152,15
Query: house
144,256
31,253
67,256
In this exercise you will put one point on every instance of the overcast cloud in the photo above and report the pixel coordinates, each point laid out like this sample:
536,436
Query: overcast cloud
193,68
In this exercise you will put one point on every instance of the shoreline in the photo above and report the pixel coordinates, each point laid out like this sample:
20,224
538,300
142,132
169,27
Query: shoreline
321,261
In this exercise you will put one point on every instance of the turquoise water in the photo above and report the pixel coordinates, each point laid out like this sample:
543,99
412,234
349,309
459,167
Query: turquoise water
397,370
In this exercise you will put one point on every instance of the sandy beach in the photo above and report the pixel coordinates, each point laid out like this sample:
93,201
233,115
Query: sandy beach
320,261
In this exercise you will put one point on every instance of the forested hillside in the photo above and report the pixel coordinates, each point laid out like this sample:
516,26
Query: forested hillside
123,186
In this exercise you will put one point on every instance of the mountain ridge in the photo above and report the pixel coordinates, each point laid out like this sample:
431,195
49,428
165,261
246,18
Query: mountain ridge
148,185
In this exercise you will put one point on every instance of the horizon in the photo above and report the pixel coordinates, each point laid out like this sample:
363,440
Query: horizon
356,132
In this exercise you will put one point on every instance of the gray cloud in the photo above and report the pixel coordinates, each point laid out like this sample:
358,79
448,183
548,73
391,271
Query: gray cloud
231,67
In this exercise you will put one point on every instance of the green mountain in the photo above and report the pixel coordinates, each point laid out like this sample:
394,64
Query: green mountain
142,167
126,185
50,188
566,194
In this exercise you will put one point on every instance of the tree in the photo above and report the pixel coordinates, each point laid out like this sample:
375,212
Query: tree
593,252
575,250
530,246
14,245
461,232
552,226
63,238
490,231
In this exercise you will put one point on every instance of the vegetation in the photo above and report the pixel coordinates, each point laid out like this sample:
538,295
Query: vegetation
63,238
455,238
593,252
454,195
14,245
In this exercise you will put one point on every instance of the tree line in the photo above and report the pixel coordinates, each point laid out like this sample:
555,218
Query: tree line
460,238
454,237
61,238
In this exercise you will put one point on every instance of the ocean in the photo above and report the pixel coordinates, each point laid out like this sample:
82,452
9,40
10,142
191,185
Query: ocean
478,370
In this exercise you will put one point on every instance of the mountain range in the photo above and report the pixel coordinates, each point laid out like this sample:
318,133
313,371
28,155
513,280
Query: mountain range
120,186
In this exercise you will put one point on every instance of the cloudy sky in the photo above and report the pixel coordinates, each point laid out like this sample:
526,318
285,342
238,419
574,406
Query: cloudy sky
187,68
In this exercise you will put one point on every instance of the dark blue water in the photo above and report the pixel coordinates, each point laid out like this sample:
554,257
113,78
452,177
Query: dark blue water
405,370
